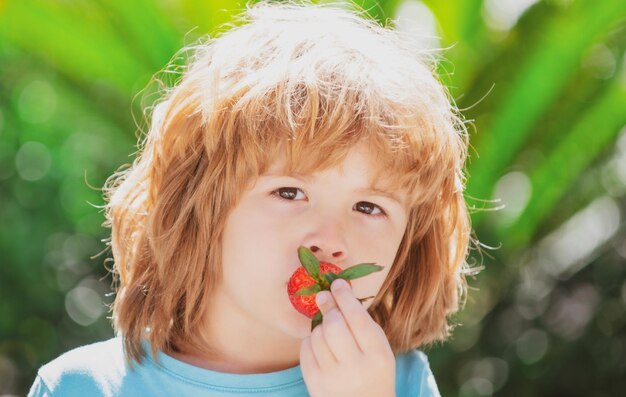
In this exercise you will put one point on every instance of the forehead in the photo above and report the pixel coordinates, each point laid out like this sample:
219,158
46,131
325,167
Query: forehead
392,157
361,163
360,158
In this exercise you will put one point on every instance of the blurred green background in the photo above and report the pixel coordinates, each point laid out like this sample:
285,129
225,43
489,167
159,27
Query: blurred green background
543,82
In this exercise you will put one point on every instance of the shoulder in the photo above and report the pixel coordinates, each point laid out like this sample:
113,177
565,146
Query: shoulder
96,369
414,376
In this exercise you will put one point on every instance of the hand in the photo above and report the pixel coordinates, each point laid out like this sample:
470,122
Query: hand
348,354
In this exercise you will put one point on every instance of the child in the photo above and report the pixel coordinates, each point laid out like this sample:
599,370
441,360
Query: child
306,126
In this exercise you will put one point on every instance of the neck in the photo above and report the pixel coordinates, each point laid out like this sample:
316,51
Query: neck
240,347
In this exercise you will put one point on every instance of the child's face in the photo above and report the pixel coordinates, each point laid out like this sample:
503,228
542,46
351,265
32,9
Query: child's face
330,214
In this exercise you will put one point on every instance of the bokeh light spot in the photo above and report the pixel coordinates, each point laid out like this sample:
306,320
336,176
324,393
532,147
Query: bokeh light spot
601,61
514,189
503,14
477,387
532,346
494,370
465,337
417,24
32,161
577,239
84,305
37,102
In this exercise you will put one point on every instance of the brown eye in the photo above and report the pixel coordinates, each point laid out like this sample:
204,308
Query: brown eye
288,193
369,208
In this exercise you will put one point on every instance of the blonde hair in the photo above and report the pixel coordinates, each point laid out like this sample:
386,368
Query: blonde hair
311,81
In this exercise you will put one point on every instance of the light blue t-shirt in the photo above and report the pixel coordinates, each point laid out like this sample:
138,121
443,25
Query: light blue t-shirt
100,369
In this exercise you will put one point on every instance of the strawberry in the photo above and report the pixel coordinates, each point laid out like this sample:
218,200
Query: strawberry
315,276
305,304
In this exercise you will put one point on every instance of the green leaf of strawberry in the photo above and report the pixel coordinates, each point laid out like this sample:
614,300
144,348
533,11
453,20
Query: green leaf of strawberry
317,320
310,290
315,276
330,277
309,261
359,270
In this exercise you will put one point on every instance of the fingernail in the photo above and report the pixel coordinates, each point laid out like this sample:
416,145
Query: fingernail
321,298
339,284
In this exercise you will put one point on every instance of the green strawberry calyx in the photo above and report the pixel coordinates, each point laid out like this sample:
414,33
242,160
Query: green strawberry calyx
322,282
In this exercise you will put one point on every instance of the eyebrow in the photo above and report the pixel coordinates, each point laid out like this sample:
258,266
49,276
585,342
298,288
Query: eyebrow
365,190
383,193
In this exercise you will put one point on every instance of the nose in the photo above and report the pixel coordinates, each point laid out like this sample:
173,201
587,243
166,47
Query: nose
328,244
327,255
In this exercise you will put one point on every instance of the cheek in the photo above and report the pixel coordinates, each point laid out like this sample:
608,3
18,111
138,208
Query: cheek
378,242
379,249
369,286
384,233
255,224
253,244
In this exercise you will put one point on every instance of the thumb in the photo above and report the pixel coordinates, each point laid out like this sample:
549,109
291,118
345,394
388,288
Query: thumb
325,301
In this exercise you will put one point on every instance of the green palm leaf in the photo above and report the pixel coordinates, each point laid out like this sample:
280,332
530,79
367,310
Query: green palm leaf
85,48
595,130
535,86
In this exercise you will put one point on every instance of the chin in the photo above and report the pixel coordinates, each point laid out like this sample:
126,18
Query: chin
296,325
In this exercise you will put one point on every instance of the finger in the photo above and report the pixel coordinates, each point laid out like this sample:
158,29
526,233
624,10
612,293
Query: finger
325,301
323,355
308,362
367,333
336,333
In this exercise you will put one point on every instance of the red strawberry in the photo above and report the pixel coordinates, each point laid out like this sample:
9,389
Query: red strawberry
305,304
314,277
